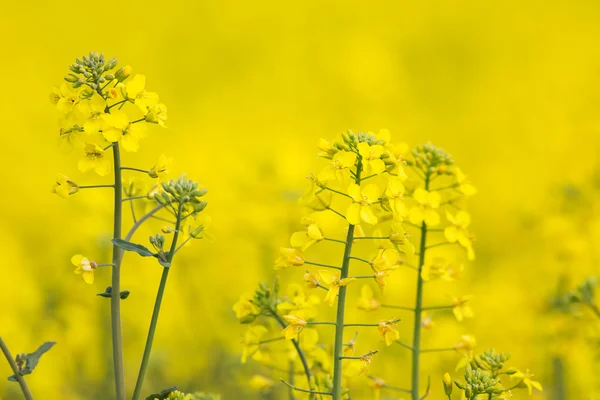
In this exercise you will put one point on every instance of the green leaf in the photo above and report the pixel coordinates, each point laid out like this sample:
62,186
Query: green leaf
162,395
30,361
138,248
107,293
124,294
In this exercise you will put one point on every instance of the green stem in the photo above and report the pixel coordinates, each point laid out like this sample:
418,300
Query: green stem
397,307
297,347
416,343
13,365
339,328
321,265
134,169
95,186
291,378
155,313
115,299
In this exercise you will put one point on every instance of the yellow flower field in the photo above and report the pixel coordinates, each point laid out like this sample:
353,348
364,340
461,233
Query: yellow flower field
498,102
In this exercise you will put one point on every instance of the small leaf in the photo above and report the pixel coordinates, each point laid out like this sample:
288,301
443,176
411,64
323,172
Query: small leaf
162,395
107,293
31,360
124,294
138,248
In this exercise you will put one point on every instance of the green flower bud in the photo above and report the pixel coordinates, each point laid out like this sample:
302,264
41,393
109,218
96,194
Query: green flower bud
447,384
71,78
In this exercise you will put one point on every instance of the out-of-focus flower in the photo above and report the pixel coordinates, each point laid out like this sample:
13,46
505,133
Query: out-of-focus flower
334,282
95,159
289,258
295,326
425,209
85,267
387,332
367,300
64,187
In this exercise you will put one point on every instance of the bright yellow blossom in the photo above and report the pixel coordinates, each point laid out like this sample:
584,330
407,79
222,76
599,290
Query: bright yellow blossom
64,187
289,258
160,169
371,158
295,326
424,210
120,129
439,267
135,89
334,282
387,332
85,267
315,197
396,159
251,341
526,381
460,308
464,185
362,206
305,239
245,306
394,192
65,97
95,159
339,168
157,114
327,148
260,382
367,300
385,260
91,111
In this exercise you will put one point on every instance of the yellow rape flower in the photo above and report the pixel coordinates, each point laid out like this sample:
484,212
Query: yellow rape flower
95,159
339,168
460,308
439,267
157,114
85,267
251,341
362,206
327,148
315,197
120,129
160,169
526,381
464,185
396,159
458,232
387,332
311,280
305,239
135,89
294,328
64,187
366,362
260,383
245,306
424,210
466,344
367,300
289,258
65,97
334,283
91,111
394,192
399,237
371,158
385,260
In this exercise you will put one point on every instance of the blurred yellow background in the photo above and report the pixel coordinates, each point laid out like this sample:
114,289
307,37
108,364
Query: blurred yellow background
511,89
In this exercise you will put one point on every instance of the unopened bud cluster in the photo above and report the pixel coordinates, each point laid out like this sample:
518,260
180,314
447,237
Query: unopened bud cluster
432,159
184,192
91,70
478,382
491,360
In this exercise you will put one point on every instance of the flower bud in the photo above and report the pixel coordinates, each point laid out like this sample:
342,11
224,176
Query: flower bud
459,384
200,206
123,73
447,384
71,78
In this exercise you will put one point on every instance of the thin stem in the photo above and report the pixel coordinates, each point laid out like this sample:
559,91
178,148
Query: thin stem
363,277
348,325
334,240
143,219
298,348
155,313
398,307
339,329
183,244
438,350
418,309
445,187
133,212
360,259
117,103
437,245
96,186
320,323
360,357
13,365
594,308
115,299
145,171
291,377
436,308
371,237
135,198
304,390
405,345
336,212
338,192
272,340
321,265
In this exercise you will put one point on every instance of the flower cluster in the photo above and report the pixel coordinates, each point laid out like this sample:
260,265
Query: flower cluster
484,377
396,199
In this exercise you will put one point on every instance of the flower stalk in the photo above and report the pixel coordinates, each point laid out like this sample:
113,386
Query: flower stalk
13,365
